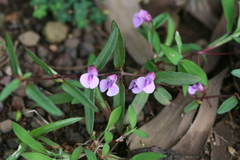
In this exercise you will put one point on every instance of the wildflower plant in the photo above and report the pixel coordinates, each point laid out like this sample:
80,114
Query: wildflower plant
89,88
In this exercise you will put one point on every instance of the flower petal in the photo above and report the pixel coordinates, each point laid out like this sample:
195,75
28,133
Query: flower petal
113,90
84,80
151,76
93,70
136,90
192,90
112,78
103,85
94,83
141,82
137,21
133,82
144,15
200,87
149,88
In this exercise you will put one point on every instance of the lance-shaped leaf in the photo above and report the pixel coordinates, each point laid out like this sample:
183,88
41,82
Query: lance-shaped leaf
162,96
147,156
53,126
139,102
193,68
119,51
13,56
170,32
36,155
107,50
178,41
48,142
43,65
132,116
160,19
90,155
171,54
106,148
236,72
228,9
25,137
113,117
21,148
76,153
33,92
60,98
88,112
227,105
140,133
78,95
108,136
191,106
176,78
12,86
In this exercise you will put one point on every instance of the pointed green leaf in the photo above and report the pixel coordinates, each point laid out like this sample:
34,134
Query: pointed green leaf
33,92
78,95
21,148
12,86
107,50
228,8
13,56
140,133
150,66
119,51
88,112
35,155
171,54
178,41
132,117
193,68
160,19
176,78
60,98
227,105
156,42
139,102
76,153
48,142
191,106
108,136
53,126
114,117
25,137
148,156
236,72
90,155
92,57
162,96
170,32
106,148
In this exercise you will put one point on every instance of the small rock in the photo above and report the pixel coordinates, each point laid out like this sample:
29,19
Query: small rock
72,43
42,52
99,118
1,20
28,58
63,61
7,153
1,106
29,38
12,115
6,126
55,32
76,33
89,38
17,102
47,83
5,80
40,111
30,104
12,144
35,123
53,47
73,137
72,52
8,70
27,113
20,91
85,49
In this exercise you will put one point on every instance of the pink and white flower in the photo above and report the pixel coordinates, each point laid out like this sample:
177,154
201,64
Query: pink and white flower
90,79
109,84
140,17
195,87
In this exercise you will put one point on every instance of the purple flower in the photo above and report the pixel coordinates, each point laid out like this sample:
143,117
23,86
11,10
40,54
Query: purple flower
140,17
110,84
145,84
90,79
195,87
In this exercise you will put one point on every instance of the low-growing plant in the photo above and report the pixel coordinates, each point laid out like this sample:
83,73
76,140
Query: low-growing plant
185,74
78,12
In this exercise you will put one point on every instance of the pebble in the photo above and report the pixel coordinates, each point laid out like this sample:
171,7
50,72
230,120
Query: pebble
12,115
73,137
28,58
6,126
0,139
29,38
35,124
30,104
72,52
12,144
7,153
55,32
42,52
72,43
1,20
76,33
5,80
47,83
27,113
20,91
85,49
1,106
8,70
17,102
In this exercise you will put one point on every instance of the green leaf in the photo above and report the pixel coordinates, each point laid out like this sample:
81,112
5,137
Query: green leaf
12,86
139,102
171,54
189,47
156,42
43,65
150,66
227,105
228,9
160,19
108,136
119,51
170,32
21,148
88,112
162,96
106,148
132,116
107,50
33,92
25,137
176,78
147,156
191,106
140,133
238,20
76,153
114,117
178,41
119,100
35,155
53,126
92,57
193,68
13,56
236,72
60,98
90,155
48,142
78,95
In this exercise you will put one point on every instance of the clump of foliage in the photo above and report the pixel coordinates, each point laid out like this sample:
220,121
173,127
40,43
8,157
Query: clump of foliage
78,12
